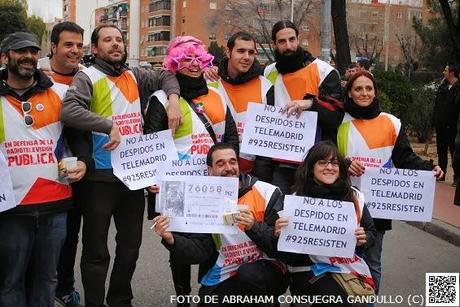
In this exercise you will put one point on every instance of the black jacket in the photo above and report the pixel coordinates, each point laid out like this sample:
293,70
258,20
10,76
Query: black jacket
200,248
446,106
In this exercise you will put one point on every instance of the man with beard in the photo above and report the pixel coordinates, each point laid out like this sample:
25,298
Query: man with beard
31,138
239,264
241,82
107,99
297,77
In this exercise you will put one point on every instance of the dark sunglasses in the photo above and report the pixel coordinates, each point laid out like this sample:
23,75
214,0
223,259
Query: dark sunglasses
26,107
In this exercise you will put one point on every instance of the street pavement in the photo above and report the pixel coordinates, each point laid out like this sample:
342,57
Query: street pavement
408,254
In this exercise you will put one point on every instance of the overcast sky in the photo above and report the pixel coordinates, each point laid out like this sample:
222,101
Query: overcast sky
47,9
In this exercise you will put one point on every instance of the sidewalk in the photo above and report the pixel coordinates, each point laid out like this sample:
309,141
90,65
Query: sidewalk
446,215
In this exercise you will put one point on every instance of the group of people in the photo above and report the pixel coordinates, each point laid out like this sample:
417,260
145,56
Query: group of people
66,109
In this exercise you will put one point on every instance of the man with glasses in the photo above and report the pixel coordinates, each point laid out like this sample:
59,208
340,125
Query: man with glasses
107,100
31,138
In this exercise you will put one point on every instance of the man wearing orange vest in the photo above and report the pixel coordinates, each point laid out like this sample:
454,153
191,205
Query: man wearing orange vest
241,82
297,77
107,99
32,140
248,270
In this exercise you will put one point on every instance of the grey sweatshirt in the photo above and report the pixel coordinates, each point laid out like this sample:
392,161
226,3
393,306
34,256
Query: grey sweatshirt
76,109
76,112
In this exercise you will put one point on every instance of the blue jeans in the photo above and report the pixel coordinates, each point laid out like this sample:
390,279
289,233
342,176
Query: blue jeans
29,254
374,258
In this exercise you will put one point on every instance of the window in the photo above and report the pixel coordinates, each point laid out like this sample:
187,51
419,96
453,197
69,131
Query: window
160,5
399,15
160,21
212,36
184,4
159,36
156,50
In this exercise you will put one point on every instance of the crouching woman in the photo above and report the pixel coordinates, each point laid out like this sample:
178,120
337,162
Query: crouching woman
324,174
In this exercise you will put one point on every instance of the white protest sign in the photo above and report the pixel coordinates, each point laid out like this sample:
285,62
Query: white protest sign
136,159
317,226
195,166
270,133
198,203
7,200
398,194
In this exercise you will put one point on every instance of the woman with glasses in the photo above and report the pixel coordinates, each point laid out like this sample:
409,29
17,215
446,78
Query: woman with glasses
324,174
206,120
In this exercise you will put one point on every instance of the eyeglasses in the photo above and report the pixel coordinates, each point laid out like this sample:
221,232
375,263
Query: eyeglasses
324,163
186,61
26,107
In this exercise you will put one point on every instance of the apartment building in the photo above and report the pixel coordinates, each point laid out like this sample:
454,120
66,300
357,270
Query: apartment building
149,25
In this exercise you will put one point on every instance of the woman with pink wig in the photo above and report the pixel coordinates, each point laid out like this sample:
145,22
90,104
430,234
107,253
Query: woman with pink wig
205,121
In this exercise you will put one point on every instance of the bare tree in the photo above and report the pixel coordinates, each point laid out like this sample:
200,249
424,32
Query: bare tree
367,46
409,50
257,17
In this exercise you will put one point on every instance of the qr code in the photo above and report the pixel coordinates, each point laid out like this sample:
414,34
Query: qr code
442,289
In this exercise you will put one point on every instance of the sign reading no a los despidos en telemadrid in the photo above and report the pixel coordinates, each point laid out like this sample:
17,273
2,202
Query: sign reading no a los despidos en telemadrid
270,133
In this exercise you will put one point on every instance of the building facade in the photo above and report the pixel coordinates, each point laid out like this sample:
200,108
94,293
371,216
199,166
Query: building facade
149,25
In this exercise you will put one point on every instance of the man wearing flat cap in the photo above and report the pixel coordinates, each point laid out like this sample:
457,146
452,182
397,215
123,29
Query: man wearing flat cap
31,139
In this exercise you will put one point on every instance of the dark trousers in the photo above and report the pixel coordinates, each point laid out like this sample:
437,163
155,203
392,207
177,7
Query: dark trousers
29,253
181,274
65,269
257,278
445,141
324,286
103,201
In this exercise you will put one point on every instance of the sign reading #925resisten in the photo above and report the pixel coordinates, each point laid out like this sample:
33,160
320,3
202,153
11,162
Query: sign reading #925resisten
398,194
137,160
270,133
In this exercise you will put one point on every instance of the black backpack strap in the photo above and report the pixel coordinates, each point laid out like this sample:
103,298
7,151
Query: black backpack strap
205,121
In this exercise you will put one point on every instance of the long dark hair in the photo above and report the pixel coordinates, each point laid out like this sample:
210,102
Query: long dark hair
321,151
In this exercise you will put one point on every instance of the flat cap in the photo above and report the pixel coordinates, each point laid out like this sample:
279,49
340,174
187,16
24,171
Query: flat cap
19,40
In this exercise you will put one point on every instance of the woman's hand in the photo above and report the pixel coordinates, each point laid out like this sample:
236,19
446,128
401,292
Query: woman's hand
360,236
356,169
160,224
279,224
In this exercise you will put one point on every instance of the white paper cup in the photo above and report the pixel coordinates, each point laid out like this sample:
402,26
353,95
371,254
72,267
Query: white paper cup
70,163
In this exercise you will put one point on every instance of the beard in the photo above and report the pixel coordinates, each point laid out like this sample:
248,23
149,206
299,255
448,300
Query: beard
290,61
116,63
22,73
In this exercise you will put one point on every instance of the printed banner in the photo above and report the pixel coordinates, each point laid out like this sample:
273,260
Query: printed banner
7,200
398,194
317,226
198,203
137,159
270,133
